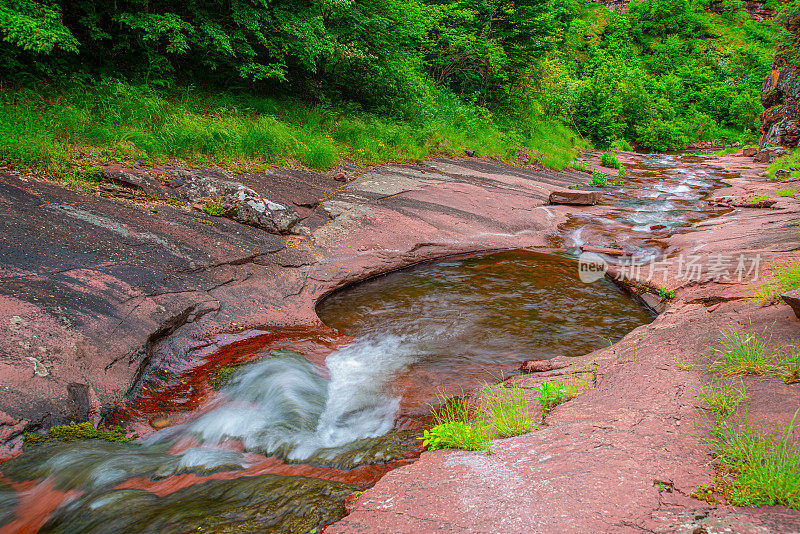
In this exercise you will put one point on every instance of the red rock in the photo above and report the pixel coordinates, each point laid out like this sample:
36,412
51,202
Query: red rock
759,204
576,197
654,302
792,298
540,366
340,177
605,250
749,152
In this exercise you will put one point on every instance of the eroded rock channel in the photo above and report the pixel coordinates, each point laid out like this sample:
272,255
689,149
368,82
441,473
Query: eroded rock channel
322,432
303,416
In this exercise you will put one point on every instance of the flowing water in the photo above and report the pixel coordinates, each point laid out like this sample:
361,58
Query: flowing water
290,434
661,195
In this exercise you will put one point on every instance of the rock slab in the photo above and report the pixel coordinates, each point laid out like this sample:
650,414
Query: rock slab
576,197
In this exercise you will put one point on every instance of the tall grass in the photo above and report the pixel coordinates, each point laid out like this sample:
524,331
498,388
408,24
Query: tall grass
54,130
757,469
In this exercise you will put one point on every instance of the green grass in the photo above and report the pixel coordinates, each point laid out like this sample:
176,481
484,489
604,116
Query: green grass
758,198
500,411
506,412
63,132
786,162
665,294
457,427
756,469
741,353
214,208
786,193
722,397
785,277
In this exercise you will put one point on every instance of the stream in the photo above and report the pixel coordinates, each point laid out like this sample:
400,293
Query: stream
303,420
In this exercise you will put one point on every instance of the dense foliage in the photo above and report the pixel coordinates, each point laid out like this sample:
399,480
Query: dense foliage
660,75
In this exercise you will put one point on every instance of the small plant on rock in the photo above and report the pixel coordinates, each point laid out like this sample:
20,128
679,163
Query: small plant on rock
622,172
457,427
551,394
506,411
742,354
789,366
666,294
704,493
756,469
456,434
599,179
214,208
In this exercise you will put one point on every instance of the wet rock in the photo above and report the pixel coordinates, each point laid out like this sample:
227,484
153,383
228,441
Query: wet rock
93,464
576,197
540,366
266,503
604,250
368,451
792,298
78,395
8,503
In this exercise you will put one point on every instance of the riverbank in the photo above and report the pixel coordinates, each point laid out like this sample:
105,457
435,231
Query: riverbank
173,285
633,453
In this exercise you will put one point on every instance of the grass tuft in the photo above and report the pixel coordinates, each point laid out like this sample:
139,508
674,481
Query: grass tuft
756,469
742,354
506,411
722,398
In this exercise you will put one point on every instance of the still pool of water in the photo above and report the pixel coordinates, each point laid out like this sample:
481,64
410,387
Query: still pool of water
285,440
453,324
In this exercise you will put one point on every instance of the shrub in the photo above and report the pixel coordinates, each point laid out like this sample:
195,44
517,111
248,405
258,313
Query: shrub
551,394
621,145
622,172
599,179
608,159
456,434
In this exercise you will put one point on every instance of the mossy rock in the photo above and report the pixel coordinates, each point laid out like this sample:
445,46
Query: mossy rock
266,503
368,451
80,431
